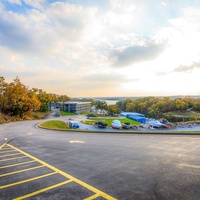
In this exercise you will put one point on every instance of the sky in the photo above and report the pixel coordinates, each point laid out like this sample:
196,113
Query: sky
102,48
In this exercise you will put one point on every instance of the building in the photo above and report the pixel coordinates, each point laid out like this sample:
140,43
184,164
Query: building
75,107
138,117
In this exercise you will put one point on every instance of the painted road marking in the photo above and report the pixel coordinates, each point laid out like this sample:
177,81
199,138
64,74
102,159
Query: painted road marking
16,164
92,197
1,156
23,170
191,166
5,143
2,146
12,158
76,141
5,151
97,193
27,180
43,190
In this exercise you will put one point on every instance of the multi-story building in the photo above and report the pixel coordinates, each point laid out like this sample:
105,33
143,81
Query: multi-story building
75,107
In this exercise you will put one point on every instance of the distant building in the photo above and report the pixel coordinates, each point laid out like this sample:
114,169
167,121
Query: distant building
138,117
75,107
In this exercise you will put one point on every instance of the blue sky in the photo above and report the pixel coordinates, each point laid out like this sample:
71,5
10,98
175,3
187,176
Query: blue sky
102,48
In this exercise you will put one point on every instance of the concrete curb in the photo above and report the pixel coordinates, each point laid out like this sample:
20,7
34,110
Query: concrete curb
126,132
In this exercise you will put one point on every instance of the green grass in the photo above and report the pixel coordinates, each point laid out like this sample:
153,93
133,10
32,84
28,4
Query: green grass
54,124
64,113
109,121
85,113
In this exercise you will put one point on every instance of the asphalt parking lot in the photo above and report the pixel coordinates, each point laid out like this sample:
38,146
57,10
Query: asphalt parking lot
18,169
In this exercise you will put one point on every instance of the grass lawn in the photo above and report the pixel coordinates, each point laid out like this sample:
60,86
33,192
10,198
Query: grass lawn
64,113
55,124
109,121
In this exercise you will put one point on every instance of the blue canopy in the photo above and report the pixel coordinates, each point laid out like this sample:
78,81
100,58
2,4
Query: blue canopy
137,118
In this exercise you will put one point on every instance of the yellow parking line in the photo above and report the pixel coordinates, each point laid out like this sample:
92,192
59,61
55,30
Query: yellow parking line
2,145
89,187
27,180
42,190
5,147
92,197
13,158
16,164
1,156
23,170
7,150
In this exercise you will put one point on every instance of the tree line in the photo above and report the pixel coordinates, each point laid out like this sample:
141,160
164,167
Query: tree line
17,100
156,107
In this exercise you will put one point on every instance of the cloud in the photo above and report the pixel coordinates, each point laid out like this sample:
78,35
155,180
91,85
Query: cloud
53,30
82,47
35,3
187,68
13,35
15,2
136,54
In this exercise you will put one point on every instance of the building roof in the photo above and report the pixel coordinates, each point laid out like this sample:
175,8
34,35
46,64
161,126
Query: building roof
132,114
76,102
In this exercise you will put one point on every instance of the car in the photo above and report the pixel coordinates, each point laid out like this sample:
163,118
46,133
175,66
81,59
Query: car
73,124
100,125
126,125
57,114
116,124
91,115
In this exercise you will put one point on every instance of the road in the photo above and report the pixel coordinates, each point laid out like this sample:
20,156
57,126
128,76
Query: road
70,165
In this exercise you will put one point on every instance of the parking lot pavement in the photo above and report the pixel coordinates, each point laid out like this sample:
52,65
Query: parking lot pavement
26,177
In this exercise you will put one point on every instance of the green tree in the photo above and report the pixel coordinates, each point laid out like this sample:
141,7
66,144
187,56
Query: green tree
180,104
101,105
113,109
196,104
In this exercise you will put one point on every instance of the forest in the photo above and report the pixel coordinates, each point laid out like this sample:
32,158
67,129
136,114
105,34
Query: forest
16,99
154,107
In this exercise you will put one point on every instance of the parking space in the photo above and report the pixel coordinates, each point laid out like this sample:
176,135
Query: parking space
23,176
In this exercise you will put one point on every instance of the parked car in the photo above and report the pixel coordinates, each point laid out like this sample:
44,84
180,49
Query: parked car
100,125
116,124
57,114
126,125
90,115
73,124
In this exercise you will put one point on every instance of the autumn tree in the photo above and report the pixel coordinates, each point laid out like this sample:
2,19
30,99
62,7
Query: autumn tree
44,99
196,104
2,91
18,100
113,109
63,98
181,104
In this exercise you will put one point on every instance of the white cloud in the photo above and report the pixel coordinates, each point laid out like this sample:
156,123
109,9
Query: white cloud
183,38
61,45
35,3
15,2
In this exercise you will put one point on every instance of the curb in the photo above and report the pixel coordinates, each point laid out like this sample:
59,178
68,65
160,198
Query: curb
125,132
